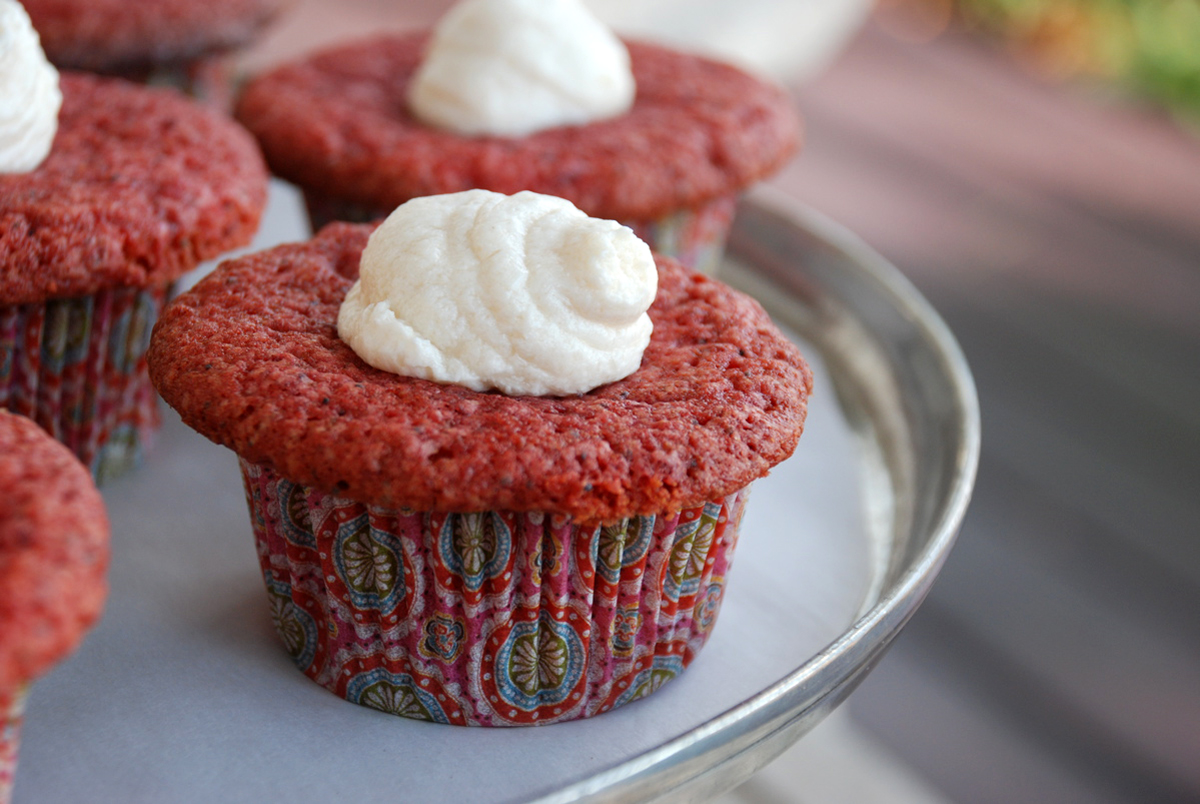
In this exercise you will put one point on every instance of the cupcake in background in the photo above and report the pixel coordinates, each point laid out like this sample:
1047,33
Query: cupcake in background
185,44
495,453
53,562
511,95
108,192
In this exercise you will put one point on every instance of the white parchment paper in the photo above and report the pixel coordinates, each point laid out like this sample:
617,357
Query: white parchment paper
183,693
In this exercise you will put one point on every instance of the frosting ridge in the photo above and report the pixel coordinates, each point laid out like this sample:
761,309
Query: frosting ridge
524,294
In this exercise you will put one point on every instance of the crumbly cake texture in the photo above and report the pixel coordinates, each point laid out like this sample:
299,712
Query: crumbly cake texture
53,551
140,186
103,35
338,123
251,359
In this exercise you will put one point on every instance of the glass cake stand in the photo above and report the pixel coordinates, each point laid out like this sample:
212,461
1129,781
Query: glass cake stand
184,694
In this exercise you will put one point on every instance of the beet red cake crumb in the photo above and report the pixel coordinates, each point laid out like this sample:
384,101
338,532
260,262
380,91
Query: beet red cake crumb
251,359
105,35
53,552
140,186
338,123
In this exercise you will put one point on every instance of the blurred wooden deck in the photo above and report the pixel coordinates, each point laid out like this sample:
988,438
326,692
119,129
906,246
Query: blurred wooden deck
1058,232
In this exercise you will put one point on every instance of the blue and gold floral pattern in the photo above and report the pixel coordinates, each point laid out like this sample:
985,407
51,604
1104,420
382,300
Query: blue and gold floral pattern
295,627
294,515
396,694
491,618
370,563
660,671
539,663
474,547
693,540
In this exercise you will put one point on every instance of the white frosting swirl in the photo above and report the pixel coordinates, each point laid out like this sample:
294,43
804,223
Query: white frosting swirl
29,93
513,67
525,294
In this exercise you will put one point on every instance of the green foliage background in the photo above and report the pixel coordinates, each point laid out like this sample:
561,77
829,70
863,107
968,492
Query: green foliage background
1153,46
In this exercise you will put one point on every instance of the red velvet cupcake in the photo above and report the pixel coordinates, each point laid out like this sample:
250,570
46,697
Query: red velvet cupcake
53,562
184,44
339,125
139,186
471,557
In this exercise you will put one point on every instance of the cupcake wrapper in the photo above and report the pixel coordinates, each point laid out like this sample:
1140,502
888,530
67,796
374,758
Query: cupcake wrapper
492,618
12,710
210,79
695,237
78,368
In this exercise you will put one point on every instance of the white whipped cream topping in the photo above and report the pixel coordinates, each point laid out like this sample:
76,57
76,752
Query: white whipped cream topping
525,294
513,67
29,93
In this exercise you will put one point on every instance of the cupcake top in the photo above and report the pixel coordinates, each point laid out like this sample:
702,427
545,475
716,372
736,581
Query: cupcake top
113,35
251,359
139,187
339,123
53,551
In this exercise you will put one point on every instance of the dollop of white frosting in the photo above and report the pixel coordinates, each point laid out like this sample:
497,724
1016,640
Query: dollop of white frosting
29,93
513,67
524,294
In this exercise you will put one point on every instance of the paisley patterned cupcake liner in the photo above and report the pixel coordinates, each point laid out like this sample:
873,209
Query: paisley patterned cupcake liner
211,79
695,237
78,368
12,710
492,618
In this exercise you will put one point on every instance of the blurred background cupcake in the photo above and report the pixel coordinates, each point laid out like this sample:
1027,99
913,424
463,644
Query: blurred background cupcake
185,44
497,99
108,192
53,562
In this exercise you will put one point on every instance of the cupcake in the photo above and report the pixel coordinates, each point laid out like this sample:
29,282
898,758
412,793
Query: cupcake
511,95
53,560
453,524
183,44
96,221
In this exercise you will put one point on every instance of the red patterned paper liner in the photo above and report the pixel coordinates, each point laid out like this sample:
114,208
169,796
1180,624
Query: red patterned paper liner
78,367
12,709
695,237
210,79
492,618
